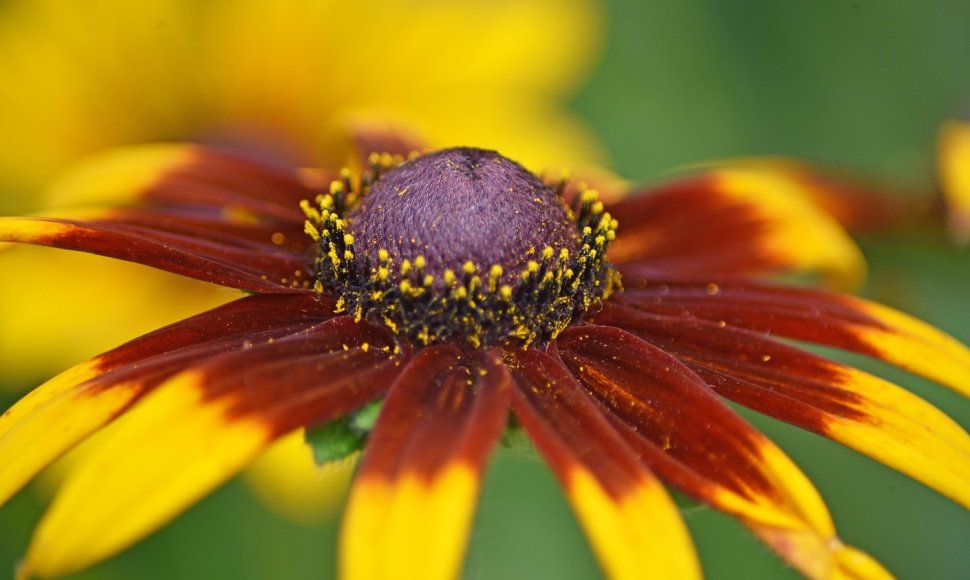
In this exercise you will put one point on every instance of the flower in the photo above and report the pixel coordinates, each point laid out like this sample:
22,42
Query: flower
953,160
283,78
453,288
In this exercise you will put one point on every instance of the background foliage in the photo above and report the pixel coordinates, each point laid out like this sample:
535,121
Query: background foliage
861,84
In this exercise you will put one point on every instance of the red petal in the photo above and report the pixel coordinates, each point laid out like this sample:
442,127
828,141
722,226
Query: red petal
201,212
413,500
305,378
670,410
804,314
217,225
845,404
232,266
730,222
88,396
201,427
632,524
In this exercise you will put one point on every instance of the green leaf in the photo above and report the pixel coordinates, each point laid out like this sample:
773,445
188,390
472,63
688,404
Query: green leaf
343,437
364,419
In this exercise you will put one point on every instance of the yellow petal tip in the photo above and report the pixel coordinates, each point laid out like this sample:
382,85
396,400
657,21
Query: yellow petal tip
852,564
807,237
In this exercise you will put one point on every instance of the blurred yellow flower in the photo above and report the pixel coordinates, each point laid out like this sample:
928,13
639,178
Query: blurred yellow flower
285,78
954,176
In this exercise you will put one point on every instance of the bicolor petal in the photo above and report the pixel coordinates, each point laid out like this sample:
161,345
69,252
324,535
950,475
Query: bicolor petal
185,176
815,316
857,204
221,210
850,406
734,221
54,417
412,502
201,426
239,266
632,523
200,212
722,460
243,320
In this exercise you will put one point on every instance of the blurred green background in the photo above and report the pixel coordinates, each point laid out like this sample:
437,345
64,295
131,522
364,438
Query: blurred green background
860,84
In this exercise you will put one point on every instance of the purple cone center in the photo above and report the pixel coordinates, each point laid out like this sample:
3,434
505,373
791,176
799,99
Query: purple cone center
458,205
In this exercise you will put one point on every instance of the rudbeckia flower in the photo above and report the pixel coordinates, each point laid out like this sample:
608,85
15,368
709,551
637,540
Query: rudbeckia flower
466,296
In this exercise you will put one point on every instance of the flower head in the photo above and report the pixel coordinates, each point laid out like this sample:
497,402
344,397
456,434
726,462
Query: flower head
461,245
456,287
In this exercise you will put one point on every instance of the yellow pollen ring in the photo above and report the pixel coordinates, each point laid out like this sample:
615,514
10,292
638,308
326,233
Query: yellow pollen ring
485,304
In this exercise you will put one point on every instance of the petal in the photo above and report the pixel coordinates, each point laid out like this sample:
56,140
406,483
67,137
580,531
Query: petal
200,212
953,152
734,221
855,408
198,201
671,408
220,225
412,502
219,263
858,205
183,175
841,321
54,417
199,428
634,526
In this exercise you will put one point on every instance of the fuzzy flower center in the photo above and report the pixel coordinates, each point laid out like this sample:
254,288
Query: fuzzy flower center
461,245
461,205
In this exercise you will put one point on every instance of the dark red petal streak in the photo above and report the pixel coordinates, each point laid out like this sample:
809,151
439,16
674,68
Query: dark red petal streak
758,372
237,320
800,313
854,408
447,407
141,364
221,178
691,226
670,406
306,378
220,225
252,269
633,526
567,426
205,213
